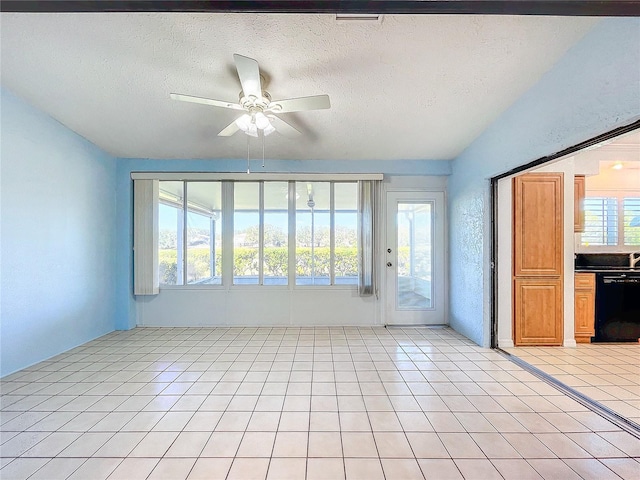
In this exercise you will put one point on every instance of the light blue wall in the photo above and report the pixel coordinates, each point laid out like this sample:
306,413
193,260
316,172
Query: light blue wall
57,237
125,309
594,88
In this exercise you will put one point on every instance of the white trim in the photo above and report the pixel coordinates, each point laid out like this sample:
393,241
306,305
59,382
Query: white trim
505,343
252,177
255,286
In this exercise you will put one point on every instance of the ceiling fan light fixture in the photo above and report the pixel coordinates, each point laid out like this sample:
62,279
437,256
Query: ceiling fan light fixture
244,122
252,130
269,129
262,122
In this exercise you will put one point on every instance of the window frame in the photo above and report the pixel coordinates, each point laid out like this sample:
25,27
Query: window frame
182,227
332,239
227,231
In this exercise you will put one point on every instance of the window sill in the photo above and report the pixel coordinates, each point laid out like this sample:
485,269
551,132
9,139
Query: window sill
259,287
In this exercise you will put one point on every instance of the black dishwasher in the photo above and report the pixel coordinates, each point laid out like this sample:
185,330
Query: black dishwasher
617,307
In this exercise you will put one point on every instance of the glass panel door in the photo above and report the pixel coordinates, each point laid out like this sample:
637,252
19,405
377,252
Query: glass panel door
414,259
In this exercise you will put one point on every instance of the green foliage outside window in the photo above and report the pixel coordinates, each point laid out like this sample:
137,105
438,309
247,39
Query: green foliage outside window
275,258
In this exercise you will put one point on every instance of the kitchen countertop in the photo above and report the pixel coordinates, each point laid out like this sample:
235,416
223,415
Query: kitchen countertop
604,269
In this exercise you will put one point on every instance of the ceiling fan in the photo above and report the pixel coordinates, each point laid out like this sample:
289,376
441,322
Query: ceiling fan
260,111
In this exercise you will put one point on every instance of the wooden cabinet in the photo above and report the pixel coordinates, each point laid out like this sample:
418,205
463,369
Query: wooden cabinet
538,240
538,225
585,306
538,311
578,203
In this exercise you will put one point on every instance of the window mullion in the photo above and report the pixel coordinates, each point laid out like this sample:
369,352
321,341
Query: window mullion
212,247
332,236
291,267
185,214
179,244
261,234
227,232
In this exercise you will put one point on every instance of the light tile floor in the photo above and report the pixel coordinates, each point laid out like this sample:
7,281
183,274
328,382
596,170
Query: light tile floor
296,403
608,373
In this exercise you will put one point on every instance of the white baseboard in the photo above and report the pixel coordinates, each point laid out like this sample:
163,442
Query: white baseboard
505,343
570,343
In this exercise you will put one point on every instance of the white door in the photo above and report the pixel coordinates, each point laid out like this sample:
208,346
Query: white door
414,259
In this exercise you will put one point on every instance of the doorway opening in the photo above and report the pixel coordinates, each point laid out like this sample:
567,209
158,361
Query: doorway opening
595,376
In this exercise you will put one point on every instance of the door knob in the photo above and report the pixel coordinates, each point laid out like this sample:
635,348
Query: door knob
388,264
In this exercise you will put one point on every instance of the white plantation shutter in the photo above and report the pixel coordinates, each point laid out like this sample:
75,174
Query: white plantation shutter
631,208
601,221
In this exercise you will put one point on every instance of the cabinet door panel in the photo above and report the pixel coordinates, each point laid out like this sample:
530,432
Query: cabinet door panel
538,311
585,281
585,315
538,224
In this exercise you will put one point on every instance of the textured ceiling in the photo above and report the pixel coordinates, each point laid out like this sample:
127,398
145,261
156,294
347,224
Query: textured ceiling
408,87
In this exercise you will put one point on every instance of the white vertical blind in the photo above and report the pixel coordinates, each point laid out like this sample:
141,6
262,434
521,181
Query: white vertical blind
145,237
366,245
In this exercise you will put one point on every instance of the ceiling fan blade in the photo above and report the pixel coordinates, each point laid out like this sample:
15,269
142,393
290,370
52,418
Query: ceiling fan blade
205,101
229,130
317,102
249,74
284,128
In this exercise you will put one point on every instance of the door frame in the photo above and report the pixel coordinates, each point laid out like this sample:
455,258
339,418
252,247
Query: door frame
418,185
494,202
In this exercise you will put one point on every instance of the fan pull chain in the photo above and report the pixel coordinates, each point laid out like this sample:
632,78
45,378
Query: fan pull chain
248,168
262,149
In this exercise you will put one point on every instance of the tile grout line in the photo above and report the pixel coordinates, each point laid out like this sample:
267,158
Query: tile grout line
625,424
199,348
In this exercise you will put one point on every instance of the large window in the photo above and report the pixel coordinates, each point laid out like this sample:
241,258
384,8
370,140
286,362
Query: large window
246,233
204,240
171,233
275,233
313,233
200,242
276,230
345,233
611,220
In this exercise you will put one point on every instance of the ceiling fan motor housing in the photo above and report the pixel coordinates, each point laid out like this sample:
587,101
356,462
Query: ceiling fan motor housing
255,104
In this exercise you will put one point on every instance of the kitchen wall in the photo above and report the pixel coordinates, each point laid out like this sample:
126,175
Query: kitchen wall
609,179
58,237
593,88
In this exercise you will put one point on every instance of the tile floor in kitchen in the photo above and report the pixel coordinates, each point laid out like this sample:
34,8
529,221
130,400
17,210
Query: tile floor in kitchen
608,373
296,403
